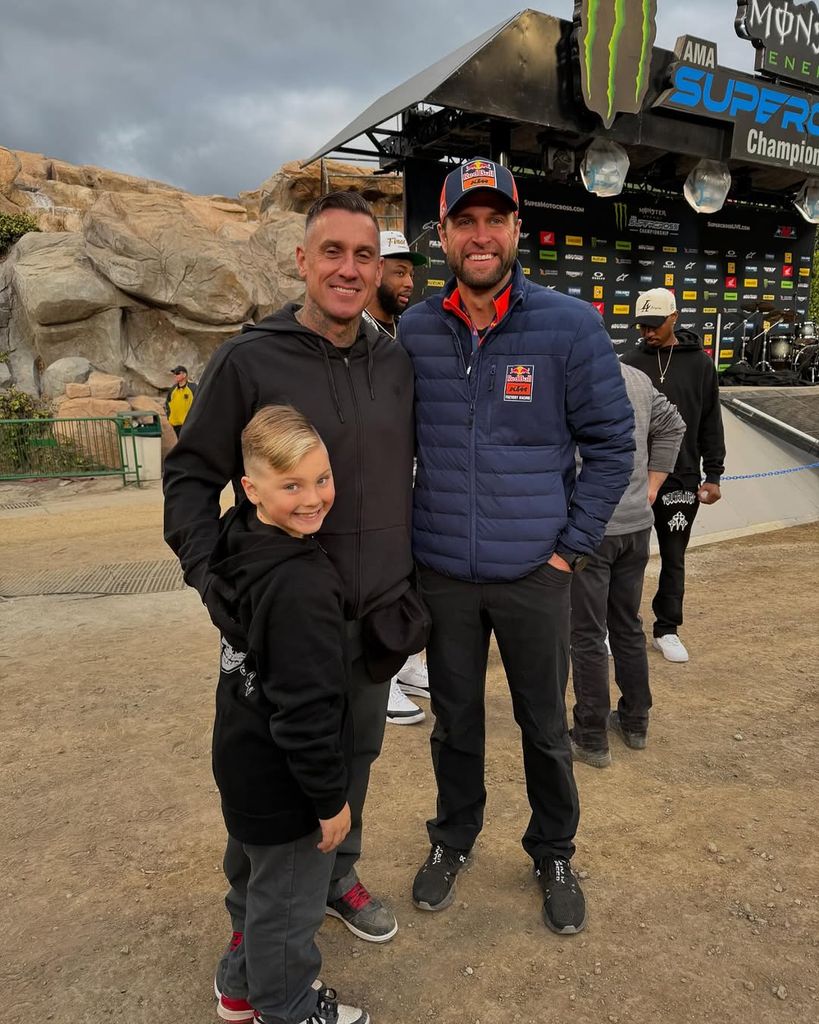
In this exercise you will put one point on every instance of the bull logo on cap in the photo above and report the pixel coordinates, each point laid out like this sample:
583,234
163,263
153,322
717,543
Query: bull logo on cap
615,39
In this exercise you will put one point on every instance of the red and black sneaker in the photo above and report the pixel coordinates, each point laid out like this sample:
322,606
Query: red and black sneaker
237,1011
364,915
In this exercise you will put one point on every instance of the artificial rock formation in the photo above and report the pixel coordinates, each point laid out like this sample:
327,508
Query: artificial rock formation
134,276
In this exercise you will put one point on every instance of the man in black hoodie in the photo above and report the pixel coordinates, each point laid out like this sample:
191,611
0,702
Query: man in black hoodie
356,387
679,368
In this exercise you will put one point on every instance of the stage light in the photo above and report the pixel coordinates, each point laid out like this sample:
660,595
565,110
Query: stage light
807,201
707,186
604,168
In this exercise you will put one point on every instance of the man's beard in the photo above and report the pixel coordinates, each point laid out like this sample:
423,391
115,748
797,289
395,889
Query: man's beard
389,301
463,272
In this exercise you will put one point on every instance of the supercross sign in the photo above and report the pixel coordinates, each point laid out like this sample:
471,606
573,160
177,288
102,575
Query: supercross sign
772,124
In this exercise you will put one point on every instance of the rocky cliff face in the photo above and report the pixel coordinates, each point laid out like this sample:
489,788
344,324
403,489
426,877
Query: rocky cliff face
132,276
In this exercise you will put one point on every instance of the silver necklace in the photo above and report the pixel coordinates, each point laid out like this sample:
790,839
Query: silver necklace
663,372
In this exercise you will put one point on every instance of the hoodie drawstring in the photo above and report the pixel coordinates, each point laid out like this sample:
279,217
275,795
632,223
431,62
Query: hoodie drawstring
332,382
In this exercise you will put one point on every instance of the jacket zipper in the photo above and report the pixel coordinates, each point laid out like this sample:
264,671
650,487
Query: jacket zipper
359,492
474,363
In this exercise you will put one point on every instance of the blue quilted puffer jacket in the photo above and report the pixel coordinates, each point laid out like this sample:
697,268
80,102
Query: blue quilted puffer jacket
496,491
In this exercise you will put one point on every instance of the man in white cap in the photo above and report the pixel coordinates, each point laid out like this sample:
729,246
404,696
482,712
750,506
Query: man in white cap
395,291
390,301
679,368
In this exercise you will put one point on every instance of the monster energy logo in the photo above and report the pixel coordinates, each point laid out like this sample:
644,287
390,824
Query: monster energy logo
620,216
615,40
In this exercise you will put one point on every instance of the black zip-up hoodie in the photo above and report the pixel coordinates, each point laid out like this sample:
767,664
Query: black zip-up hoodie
360,400
691,383
279,758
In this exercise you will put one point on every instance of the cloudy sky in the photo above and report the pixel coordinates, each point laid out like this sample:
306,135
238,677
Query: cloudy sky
214,97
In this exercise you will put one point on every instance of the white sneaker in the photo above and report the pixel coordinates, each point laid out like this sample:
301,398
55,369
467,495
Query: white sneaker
400,709
671,647
413,677
331,1011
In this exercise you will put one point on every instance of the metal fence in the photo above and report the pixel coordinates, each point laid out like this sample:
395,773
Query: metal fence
88,446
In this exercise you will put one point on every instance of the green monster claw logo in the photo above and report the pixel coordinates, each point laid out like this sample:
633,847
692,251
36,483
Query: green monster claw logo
615,39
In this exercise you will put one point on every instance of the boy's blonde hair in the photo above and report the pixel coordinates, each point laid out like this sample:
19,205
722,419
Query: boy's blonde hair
278,436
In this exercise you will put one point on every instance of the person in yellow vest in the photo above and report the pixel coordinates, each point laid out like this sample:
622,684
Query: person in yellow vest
180,398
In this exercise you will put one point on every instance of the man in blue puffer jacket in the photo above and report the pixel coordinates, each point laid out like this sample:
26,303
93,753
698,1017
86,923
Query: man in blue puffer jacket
510,379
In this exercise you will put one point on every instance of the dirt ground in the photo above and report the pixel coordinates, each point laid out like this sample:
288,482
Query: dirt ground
699,854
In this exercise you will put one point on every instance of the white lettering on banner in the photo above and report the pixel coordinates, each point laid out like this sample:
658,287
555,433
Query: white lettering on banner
553,206
657,227
795,153
790,26
729,227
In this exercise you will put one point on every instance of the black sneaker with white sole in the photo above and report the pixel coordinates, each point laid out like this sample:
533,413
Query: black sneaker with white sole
330,1011
434,885
564,905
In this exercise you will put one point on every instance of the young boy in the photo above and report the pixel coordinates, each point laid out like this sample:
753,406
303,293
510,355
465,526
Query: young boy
279,750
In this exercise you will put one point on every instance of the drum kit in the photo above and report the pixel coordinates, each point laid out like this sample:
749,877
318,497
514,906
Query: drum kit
776,341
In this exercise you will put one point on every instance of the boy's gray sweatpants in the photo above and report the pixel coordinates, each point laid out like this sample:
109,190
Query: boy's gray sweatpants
282,891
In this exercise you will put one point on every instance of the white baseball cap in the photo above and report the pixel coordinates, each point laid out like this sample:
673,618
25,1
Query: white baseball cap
654,307
394,244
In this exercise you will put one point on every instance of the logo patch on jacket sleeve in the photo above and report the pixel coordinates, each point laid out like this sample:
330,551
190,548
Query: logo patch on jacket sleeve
519,383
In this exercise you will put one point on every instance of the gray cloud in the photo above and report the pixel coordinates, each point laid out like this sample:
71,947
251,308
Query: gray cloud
215,97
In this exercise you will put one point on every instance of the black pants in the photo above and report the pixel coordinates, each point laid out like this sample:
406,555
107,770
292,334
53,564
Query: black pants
606,594
674,512
530,619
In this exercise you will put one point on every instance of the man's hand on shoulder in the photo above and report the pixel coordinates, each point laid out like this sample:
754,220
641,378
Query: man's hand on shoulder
709,494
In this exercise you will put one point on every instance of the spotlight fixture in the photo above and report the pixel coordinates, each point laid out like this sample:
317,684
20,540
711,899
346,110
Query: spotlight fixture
807,201
604,168
707,186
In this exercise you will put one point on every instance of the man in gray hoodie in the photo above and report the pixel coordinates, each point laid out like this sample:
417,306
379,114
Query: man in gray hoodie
607,592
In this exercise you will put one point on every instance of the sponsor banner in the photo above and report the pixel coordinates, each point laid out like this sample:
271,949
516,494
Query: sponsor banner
722,262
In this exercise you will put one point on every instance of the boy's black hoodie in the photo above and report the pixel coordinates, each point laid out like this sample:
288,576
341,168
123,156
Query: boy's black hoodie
691,384
360,400
278,753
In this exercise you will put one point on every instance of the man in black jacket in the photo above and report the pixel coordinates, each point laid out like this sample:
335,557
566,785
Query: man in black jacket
679,368
356,387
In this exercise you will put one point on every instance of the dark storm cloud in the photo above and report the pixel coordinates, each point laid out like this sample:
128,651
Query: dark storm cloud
214,97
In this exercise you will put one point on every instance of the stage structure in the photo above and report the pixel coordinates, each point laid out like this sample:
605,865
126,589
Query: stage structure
535,92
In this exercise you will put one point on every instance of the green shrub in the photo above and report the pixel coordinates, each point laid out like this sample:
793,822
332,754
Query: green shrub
12,228
17,405
16,438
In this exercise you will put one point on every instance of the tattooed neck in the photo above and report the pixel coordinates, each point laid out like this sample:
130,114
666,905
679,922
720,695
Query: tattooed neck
342,334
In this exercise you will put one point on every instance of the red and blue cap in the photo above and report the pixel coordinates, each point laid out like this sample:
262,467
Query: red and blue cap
473,175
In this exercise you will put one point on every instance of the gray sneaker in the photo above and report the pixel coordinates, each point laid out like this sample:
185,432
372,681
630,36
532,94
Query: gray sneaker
635,740
363,914
596,758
